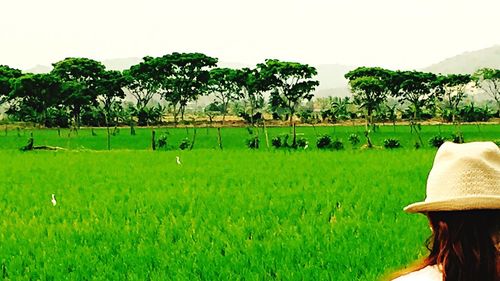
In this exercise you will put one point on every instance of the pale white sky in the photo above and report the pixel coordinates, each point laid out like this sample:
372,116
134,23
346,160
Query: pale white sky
388,33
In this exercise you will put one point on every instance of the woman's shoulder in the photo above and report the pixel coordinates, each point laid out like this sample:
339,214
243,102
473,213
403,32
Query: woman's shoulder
429,273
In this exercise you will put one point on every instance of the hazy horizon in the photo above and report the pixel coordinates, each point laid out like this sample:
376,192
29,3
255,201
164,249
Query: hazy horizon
390,33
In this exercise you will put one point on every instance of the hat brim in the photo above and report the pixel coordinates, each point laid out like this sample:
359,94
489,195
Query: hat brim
456,204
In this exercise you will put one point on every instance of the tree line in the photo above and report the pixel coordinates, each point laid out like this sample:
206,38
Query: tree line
81,91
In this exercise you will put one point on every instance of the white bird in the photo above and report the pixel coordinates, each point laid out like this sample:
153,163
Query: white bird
307,145
178,160
54,202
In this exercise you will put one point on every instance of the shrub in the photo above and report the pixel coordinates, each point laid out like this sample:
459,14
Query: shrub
162,141
276,142
323,142
391,143
337,144
186,143
280,141
253,142
302,142
437,141
354,139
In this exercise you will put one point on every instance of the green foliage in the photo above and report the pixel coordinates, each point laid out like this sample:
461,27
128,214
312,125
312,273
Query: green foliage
35,95
253,142
437,141
185,144
162,141
354,139
180,77
6,75
302,143
392,143
337,144
324,142
289,82
457,137
277,142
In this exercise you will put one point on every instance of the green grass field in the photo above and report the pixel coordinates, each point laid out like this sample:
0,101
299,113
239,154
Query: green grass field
135,214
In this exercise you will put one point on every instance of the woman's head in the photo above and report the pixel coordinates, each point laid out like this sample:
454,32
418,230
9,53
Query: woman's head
463,207
463,244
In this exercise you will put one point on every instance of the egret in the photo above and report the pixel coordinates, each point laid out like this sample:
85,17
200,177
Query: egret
54,202
178,160
305,147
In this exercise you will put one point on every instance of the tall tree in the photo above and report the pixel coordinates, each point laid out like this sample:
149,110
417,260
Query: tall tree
224,83
7,74
140,82
81,75
252,86
109,93
181,78
488,80
453,88
289,82
37,92
416,88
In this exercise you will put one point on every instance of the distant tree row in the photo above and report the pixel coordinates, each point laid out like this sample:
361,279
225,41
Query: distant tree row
81,91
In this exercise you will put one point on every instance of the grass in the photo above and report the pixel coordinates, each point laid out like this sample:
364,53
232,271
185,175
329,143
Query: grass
222,215
232,138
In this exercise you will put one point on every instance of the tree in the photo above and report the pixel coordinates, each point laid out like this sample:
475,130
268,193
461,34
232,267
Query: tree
420,89
140,83
38,93
453,90
81,75
370,87
252,86
417,88
109,92
289,82
181,78
368,93
6,75
488,80
224,83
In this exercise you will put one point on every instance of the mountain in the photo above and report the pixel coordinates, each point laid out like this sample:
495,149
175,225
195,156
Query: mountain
468,62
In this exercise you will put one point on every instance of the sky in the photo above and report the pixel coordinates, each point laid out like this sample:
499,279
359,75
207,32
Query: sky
397,34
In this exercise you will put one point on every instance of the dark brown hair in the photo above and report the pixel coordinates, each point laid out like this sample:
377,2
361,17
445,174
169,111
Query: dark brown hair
463,245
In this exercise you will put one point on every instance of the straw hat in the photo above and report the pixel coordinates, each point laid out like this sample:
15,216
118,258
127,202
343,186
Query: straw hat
463,177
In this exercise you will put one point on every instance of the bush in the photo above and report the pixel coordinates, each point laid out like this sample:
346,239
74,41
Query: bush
391,143
354,139
323,142
302,142
162,141
437,141
185,144
276,142
337,144
253,142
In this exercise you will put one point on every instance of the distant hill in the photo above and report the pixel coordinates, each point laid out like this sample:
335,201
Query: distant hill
468,62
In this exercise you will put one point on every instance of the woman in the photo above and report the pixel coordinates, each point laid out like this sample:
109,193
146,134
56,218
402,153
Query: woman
463,207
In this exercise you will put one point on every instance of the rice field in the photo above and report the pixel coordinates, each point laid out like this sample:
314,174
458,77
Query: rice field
237,214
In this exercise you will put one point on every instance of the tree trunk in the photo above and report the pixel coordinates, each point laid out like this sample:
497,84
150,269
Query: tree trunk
219,138
153,140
